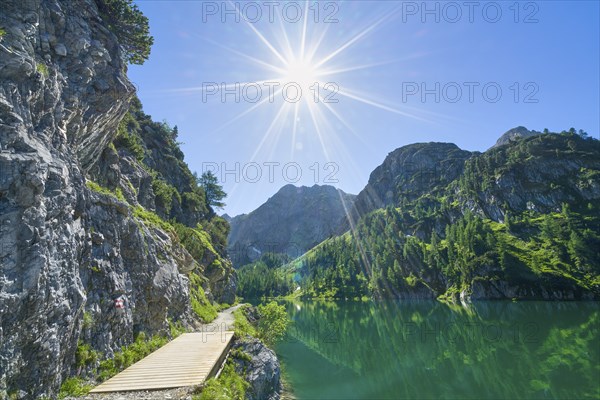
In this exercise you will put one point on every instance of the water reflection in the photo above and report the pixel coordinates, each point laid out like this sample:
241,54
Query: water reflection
365,350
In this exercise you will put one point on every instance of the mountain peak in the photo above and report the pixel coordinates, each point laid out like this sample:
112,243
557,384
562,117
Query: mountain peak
514,134
291,221
410,171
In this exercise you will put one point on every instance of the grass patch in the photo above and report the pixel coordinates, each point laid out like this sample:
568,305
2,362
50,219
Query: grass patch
42,69
241,325
117,194
136,351
152,219
200,304
228,386
74,387
130,355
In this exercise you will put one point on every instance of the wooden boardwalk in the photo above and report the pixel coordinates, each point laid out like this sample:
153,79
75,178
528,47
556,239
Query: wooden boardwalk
189,360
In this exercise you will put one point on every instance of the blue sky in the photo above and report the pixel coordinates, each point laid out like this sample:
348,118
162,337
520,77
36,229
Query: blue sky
400,74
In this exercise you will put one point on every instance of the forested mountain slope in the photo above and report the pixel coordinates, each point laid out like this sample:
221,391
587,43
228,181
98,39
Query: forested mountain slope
521,220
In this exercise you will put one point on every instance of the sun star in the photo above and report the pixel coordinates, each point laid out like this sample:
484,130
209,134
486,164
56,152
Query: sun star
303,73
304,57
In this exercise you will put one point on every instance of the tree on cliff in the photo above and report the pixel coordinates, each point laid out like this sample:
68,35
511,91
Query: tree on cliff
130,26
213,191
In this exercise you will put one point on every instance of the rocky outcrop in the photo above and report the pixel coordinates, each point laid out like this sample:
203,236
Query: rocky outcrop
260,369
158,179
134,262
408,173
514,134
537,174
291,222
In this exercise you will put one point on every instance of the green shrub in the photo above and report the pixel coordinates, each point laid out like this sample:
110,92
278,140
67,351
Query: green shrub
165,193
241,325
218,229
88,320
74,387
228,386
85,355
42,69
240,354
2,32
195,201
176,329
128,139
273,322
195,241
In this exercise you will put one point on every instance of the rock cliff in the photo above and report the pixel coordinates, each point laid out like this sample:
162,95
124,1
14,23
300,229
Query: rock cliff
410,172
80,233
260,369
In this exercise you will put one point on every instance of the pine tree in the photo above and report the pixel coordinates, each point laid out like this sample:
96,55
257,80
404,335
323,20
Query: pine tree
130,26
213,191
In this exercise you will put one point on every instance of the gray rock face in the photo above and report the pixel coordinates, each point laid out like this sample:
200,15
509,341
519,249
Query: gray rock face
292,221
135,262
409,172
262,371
65,250
557,172
54,123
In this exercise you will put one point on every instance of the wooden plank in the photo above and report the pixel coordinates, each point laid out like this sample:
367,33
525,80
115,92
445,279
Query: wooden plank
189,360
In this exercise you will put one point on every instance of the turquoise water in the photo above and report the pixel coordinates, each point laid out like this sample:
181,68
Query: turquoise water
427,350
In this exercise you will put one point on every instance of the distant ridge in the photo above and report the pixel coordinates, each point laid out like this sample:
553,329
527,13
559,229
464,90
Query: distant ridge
291,221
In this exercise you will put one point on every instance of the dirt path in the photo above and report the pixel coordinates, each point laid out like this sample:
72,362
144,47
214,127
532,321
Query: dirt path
225,319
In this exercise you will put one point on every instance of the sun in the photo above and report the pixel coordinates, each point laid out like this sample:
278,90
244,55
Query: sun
301,55
301,72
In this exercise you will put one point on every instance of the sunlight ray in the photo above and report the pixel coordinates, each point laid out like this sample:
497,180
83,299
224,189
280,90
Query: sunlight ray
354,39
261,37
265,64
241,115
315,46
286,39
268,132
381,106
294,130
312,110
354,68
305,22
343,121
